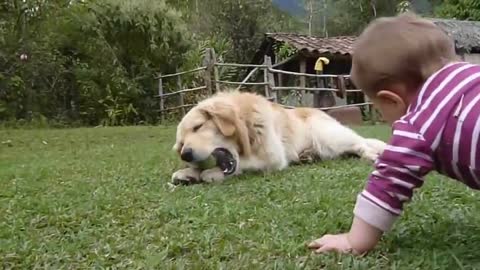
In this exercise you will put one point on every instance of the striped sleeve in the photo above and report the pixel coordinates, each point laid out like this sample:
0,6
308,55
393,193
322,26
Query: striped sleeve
398,171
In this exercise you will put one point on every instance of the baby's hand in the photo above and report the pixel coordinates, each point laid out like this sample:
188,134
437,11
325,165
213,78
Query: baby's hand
362,238
327,243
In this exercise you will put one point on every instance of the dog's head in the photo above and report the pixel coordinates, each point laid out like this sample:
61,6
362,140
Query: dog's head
214,123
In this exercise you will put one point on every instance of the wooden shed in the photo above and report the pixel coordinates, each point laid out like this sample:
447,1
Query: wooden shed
299,53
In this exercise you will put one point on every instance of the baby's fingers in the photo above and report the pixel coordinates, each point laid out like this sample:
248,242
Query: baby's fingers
314,245
325,249
318,243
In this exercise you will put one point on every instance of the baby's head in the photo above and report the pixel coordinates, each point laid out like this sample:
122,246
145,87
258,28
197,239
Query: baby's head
394,56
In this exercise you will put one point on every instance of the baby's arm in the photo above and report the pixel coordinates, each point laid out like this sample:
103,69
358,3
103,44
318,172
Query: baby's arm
399,170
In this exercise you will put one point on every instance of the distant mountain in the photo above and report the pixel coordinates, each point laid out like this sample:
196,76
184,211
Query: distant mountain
293,7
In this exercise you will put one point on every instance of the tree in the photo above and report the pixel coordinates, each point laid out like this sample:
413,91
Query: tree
459,9
89,61
95,61
345,17
314,8
240,23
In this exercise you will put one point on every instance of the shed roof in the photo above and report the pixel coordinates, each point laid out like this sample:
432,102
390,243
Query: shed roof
312,44
465,33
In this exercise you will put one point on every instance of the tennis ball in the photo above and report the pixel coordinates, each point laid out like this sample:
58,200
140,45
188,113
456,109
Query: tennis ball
208,163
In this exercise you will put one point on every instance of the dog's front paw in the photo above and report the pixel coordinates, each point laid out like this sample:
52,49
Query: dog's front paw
373,149
214,175
370,156
307,156
186,176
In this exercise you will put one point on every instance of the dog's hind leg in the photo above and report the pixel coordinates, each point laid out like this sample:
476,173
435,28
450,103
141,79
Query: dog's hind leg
271,154
333,140
275,153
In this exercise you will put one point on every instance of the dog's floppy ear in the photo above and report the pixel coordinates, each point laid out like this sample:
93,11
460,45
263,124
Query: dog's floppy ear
223,117
228,121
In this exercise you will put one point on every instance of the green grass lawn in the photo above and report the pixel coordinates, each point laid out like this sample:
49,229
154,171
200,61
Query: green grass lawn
99,198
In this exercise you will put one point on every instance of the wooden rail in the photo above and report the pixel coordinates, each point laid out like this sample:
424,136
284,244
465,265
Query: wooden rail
241,83
181,73
240,65
212,84
303,74
311,89
182,91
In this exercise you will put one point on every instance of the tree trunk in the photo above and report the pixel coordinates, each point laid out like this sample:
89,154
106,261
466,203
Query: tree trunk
325,32
310,17
374,8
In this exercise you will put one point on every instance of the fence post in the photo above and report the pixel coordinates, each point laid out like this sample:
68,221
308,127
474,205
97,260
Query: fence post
278,94
265,77
180,95
371,110
303,81
341,87
270,79
373,114
207,75
215,70
160,95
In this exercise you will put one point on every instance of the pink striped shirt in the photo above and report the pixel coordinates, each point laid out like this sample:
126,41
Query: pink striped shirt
440,132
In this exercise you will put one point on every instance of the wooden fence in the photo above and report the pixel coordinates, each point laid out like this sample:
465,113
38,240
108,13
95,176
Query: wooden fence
212,84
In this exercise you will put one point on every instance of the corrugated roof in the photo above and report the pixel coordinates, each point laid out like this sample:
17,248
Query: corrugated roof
465,33
335,45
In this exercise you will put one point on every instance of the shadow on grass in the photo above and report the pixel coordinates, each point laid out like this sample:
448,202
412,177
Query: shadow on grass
307,163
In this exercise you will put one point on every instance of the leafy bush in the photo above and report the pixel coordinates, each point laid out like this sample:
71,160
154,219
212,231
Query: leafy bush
93,62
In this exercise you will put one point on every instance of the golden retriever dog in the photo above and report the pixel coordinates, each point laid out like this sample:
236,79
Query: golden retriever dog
254,134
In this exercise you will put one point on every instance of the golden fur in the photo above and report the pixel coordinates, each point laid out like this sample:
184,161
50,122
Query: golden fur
262,135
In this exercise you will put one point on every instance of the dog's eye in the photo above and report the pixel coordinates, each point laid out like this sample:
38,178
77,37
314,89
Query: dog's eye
197,127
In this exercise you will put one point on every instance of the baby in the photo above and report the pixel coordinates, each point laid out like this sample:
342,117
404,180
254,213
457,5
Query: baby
408,68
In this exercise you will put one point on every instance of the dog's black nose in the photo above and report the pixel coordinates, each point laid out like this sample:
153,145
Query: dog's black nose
187,155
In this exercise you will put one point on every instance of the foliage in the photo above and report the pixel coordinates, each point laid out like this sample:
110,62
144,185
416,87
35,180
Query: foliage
346,17
239,26
136,40
94,62
404,6
284,50
459,9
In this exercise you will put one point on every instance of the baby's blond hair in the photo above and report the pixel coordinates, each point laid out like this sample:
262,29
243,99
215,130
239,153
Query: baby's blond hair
402,49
